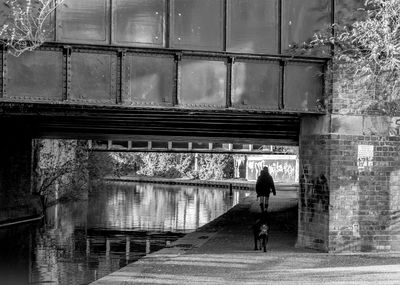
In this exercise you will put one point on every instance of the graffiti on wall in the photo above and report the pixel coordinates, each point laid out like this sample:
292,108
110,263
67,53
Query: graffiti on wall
314,194
282,169
394,128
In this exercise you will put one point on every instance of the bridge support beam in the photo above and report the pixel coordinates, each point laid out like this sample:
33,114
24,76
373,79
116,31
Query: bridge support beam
16,199
350,184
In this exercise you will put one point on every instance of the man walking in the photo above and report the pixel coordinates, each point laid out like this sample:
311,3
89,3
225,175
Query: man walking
264,185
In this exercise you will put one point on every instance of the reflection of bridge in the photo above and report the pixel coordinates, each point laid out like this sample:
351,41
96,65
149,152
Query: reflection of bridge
125,245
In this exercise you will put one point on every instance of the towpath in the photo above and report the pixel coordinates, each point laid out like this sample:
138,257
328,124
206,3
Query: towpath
221,252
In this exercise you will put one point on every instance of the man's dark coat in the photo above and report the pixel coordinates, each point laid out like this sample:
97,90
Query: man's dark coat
265,184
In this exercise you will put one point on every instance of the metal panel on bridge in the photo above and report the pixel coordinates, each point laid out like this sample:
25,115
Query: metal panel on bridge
85,21
303,86
148,79
139,22
93,77
300,20
35,76
256,85
252,26
197,24
202,83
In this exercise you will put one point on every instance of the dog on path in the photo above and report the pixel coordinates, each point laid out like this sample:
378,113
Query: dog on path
261,232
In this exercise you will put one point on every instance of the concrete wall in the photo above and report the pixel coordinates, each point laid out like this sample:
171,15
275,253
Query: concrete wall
283,168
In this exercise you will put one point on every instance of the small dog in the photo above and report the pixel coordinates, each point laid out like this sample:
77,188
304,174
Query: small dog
261,233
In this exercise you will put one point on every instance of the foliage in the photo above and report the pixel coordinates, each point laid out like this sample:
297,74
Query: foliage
26,23
168,165
174,165
367,54
215,166
60,169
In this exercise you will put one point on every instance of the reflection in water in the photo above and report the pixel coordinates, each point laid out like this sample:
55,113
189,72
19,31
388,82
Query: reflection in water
156,207
82,241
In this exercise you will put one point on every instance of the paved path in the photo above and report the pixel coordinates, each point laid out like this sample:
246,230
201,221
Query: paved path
222,252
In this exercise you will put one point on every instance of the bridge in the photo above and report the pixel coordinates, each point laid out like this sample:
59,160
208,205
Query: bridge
220,71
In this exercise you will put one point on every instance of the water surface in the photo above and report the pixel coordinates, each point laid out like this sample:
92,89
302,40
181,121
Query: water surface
83,241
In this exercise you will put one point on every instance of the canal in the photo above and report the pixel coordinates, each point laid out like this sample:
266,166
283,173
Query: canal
79,242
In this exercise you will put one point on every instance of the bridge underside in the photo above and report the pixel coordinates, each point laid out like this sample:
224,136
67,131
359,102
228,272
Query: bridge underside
105,122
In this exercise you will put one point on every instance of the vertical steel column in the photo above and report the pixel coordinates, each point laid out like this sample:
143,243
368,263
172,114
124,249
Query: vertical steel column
333,19
281,93
55,23
111,18
177,59
67,74
120,77
167,24
280,26
230,62
225,25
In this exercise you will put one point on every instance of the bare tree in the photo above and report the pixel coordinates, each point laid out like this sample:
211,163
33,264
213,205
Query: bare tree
26,24
60,169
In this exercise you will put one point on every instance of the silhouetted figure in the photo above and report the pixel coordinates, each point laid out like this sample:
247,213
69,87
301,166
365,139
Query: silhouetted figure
264,185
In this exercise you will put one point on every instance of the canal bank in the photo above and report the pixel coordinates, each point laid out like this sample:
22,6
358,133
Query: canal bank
221,252
234,183
19,211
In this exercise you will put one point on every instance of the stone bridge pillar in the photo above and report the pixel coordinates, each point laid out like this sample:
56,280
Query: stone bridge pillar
16,200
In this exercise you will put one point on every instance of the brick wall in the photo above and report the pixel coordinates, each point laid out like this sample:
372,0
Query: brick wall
359,209
314,192
365,200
